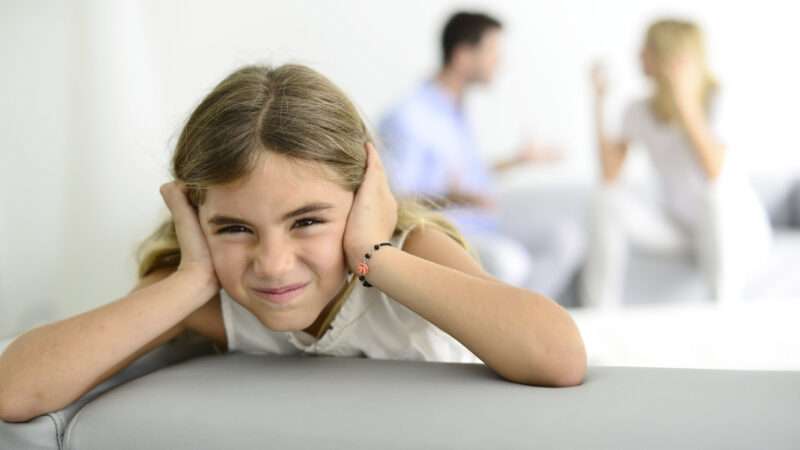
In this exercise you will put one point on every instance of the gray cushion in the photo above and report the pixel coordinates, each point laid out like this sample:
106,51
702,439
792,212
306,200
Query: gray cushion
780,195
794,205
245,401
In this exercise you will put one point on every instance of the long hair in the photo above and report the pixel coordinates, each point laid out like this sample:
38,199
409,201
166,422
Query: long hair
666,39
291,110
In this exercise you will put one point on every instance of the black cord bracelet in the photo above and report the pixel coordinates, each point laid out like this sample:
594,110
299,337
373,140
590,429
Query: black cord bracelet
363,267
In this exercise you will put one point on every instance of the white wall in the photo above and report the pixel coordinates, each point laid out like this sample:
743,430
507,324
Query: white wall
93,94
36,44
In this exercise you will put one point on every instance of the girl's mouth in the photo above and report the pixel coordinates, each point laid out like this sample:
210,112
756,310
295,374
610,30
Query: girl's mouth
281,295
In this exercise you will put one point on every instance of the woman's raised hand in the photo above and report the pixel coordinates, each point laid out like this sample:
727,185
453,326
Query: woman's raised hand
599,80
685,79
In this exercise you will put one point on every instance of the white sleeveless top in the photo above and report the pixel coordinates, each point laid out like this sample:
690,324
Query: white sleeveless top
368,324
682,178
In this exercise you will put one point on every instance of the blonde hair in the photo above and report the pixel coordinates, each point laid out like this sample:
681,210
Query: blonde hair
291,110
665,39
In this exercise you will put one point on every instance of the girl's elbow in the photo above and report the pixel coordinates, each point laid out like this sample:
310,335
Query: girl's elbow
573,369
18,404
563,370
17,409
565,375
13,416
560,377
571,375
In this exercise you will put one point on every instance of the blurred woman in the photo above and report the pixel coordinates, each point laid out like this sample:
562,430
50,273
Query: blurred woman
707,206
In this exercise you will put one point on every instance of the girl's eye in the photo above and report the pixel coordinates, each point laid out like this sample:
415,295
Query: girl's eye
307,222
232,229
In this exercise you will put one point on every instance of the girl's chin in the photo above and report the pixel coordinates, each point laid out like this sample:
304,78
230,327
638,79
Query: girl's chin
296,320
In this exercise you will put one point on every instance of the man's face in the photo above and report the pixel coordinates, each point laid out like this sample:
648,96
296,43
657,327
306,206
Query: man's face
485,57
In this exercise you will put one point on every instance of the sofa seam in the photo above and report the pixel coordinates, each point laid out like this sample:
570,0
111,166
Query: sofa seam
68,429
57,431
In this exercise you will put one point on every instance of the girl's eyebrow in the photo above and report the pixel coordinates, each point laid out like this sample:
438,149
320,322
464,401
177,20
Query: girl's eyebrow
219,219
311,207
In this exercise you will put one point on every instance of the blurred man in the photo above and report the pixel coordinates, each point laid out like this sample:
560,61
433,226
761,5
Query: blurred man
431,147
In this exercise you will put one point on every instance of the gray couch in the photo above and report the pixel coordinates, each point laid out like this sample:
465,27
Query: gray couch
201,400
660,279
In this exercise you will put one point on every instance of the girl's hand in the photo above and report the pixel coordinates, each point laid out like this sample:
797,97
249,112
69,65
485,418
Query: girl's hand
373,215
195,255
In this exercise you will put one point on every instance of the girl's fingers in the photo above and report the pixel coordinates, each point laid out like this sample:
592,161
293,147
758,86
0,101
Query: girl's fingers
375,175
174,195
187,224
373,214
373,159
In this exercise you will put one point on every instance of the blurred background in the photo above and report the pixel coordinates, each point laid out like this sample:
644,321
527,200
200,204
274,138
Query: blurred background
93,94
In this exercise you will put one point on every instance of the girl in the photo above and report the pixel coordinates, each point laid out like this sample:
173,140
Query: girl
278,196
709,207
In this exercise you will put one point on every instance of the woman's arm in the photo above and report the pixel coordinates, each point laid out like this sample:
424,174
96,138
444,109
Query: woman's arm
709,151
612,152
686,80
51,366
523,336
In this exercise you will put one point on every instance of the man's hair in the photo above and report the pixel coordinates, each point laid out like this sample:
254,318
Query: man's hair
465,28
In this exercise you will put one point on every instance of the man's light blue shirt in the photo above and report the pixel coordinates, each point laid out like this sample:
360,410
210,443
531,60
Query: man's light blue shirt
429,146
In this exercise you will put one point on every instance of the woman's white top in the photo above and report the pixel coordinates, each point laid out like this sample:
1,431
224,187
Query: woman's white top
368,324
685,185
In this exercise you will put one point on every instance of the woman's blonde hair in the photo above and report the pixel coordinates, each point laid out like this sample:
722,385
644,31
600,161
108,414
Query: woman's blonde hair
666,39
291,110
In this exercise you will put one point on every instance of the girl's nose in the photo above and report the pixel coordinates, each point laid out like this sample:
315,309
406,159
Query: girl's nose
273,259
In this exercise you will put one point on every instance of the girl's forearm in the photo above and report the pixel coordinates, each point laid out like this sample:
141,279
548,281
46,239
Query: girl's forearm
49,367
523,336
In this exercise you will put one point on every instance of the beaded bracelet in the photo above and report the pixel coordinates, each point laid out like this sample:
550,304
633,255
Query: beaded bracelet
363,269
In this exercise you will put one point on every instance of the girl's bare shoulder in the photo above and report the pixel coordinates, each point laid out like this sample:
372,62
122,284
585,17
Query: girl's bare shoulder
435,246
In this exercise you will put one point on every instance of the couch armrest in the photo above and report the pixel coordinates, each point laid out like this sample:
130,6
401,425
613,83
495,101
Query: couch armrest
249,401
46,432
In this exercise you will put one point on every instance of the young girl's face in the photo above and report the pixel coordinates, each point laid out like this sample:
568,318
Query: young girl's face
275,238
